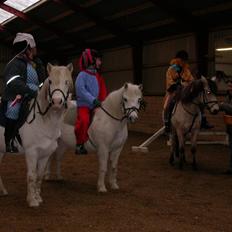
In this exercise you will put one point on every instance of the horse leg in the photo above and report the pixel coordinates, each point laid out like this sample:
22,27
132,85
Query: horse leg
194,149
181,149
173,148
103,156
113,168
59,154
41,167
2,187
31,159
47,175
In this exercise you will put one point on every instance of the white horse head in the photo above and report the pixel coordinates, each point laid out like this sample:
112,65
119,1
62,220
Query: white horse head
57,86
131,101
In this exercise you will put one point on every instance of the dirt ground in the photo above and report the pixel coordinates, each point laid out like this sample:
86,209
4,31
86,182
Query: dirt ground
153,196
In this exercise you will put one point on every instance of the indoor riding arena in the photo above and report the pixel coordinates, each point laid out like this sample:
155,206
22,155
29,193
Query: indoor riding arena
142,189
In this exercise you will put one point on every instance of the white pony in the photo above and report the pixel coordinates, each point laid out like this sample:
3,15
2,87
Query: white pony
107,133
39,137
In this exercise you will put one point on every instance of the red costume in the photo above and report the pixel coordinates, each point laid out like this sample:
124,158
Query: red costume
84,113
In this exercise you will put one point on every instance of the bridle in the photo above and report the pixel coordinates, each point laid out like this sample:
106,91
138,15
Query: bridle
50,102
127,111
205,102
50,94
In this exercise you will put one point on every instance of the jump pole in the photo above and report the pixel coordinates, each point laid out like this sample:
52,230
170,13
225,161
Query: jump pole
143,147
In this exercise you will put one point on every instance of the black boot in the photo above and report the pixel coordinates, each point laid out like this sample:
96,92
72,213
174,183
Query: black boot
9,135
205,124
13,147
80,150
168,115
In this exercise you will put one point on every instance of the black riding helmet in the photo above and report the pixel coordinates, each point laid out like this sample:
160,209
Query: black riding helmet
182,54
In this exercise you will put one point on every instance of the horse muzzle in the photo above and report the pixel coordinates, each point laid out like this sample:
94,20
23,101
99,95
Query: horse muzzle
214,109
132,117
57,102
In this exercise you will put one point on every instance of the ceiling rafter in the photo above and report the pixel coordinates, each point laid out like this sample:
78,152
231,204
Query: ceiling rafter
111,27
182,17
40,23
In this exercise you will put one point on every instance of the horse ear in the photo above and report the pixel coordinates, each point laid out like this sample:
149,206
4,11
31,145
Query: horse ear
49,67
126,85
70,67
141,87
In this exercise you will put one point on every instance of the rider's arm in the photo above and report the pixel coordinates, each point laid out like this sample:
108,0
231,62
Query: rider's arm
81,90
14,79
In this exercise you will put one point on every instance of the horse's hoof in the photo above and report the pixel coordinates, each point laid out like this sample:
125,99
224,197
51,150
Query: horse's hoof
4,193
102,189
33,203
39,199
114,187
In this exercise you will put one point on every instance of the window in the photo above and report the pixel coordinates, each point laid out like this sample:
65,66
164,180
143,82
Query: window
22,5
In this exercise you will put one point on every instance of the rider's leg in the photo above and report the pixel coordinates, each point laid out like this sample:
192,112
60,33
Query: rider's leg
9,134
168,108
81,129
204,122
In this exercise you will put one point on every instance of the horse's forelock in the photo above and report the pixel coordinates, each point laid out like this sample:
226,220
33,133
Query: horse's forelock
59,73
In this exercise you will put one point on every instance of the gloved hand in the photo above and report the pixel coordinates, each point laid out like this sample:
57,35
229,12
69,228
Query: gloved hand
96,103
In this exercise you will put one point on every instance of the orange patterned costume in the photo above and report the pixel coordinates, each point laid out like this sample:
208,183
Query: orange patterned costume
172,76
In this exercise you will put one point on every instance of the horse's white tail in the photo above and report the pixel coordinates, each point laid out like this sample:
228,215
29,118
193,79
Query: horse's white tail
2,187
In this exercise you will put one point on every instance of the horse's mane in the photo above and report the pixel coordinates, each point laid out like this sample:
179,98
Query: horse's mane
191,91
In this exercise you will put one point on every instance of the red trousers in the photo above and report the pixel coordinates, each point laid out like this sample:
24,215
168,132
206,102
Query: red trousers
82,124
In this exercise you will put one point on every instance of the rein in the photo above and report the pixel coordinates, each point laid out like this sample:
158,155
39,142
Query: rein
115,118
127,113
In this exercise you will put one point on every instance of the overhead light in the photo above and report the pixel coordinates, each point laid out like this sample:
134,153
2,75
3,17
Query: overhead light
224,49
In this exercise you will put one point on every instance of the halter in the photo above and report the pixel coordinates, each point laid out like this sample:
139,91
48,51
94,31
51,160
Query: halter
127,111
50,94
205,103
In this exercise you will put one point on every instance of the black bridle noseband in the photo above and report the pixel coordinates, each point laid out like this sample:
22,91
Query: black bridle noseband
127,111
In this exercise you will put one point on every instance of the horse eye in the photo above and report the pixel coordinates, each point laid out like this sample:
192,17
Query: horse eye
49,81
124,99
139,100
66,82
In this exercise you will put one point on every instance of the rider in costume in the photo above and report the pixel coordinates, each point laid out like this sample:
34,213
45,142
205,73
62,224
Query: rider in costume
90,92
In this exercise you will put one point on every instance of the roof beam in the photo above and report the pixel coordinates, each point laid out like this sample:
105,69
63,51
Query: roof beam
182,17
42,24
111,27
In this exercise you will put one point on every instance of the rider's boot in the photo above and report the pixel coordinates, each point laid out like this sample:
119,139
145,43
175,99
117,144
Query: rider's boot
80,150
205,124
9,134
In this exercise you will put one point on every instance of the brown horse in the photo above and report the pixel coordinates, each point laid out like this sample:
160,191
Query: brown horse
186,117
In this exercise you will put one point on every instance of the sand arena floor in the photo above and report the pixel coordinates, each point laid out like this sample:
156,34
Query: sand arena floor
153,197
